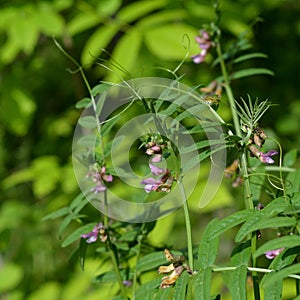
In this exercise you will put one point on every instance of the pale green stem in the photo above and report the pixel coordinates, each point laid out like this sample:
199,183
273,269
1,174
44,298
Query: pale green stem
188,226
244,165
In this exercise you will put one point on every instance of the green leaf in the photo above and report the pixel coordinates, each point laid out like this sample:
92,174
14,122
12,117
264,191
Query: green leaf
57,214
250,56
241,254
284,259
82,22
88,122
10,276
265,223
282,242
236,282
151,261
167,41
97,41
274,293
208,247
277,276
202,284
77,200
84,103
82,252
65,223
181,286
229,222
163,294
125,53
290,158
75,236
88,141
293,182
100,88
251,72
138,9
147,288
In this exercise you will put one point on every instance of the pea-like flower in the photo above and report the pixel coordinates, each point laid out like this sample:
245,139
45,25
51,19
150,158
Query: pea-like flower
204,44
98,177
273,253
162,184
97,232
266,157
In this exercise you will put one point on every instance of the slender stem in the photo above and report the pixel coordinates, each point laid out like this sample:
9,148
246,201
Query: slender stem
188,226
244,165
105,221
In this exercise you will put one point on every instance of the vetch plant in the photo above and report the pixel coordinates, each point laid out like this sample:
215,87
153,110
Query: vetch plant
174,129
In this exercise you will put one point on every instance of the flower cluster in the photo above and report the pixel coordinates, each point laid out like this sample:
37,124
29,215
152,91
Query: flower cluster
98,231
162,180
98,176
176,268
204,44
257,140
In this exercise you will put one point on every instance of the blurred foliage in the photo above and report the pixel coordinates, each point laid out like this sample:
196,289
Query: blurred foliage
38,115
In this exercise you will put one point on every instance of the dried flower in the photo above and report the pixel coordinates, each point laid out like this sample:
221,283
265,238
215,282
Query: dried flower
98,231
176,268
213,89
273,253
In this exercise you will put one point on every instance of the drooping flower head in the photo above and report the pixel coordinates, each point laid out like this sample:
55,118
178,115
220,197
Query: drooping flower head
98,176
204,43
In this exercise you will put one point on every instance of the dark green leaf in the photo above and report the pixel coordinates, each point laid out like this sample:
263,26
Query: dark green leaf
236,282
202,284
75,236
147,288
251,72
265,223
241,254
293,182
56,214
277,276
181,286
82,252
250,56
208,247
151,261
282,242
230,221
163,294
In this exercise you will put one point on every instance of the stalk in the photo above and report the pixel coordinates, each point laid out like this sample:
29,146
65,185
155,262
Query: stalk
244,166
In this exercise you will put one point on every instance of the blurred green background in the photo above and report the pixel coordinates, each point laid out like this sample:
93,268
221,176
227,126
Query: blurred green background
38,114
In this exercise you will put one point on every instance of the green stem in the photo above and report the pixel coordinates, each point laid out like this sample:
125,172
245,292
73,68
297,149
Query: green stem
105,221
244,165
188,226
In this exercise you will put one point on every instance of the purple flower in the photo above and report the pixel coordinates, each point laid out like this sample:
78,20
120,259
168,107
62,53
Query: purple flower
156,170
163,184
98,178
266,157
273,253
204,44
151,184
156,158
98,231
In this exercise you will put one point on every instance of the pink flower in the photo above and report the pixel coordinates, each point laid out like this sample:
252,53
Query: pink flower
98,178
273,253
204,44
156,170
